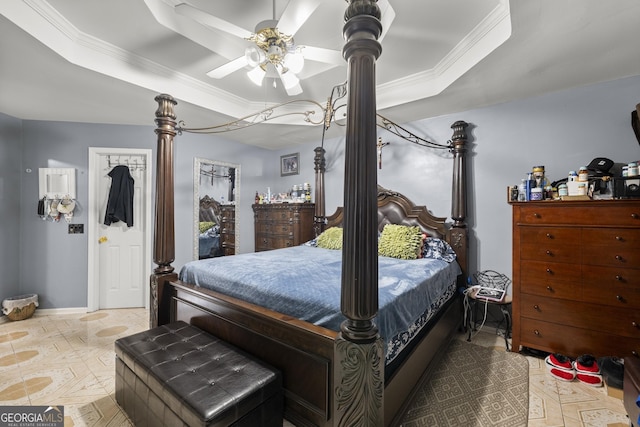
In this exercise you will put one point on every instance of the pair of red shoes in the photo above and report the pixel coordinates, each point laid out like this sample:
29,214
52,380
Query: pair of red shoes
584,368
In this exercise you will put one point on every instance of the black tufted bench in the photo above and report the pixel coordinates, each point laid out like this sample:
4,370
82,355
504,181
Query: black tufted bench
178,375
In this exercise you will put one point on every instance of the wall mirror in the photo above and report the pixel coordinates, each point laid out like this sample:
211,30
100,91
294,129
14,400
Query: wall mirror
57,183
216,187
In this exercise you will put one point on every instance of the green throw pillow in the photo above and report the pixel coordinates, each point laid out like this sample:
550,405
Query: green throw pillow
400,241
331,238
205,225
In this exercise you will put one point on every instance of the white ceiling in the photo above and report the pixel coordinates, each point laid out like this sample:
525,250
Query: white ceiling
104,61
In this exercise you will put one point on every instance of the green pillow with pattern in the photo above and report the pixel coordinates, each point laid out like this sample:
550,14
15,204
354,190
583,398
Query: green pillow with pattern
205,225
331,238
400,241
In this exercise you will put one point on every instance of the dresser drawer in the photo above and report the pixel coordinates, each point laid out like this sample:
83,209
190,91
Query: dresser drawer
595,276
556,235
549,243
547,273
228,213
617,287
580,213
549,251
594,317
264,243
624,238
275,228
274,216
572,341
612,246
611,256
567,290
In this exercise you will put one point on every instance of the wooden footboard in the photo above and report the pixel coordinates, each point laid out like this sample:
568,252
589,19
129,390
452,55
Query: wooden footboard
303,352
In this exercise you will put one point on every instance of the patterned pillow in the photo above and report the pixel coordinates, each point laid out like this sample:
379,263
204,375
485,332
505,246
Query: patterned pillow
438,249
205,225
400,241
331,238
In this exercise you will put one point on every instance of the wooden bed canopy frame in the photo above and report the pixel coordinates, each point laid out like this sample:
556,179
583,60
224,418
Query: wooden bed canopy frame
330,378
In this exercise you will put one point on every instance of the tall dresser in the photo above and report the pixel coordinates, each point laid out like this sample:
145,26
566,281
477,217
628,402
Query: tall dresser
281,225
576,277
228,229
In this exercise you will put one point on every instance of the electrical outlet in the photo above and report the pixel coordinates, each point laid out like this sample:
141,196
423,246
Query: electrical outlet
76,228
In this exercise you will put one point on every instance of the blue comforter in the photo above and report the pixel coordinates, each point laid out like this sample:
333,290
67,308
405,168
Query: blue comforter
304,282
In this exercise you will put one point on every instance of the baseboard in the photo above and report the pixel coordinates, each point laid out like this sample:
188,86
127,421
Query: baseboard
50,311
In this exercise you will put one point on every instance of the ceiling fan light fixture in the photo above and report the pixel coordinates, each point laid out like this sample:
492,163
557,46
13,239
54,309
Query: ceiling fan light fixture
257,75
274,54
254,56
294,61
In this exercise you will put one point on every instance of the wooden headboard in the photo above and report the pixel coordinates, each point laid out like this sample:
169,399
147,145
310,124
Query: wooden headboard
395,208
209,210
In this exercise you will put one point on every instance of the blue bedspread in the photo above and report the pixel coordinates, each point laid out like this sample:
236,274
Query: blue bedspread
304,282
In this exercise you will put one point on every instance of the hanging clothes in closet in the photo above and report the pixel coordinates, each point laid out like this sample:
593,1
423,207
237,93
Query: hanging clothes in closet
120,202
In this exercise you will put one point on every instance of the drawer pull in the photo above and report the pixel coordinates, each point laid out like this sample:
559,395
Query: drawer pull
549,253
536,215
549,271
536,307
620,238
619,258
537,332
634,353
549,235
549,288
634,324
635,215
619,278
620,298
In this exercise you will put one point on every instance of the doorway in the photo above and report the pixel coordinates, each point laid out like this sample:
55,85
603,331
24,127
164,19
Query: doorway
119,256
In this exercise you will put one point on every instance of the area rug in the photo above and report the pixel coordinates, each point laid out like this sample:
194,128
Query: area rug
473,386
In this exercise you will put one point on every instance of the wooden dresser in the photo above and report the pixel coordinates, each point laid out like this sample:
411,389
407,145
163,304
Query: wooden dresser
281,225
576,277
228,229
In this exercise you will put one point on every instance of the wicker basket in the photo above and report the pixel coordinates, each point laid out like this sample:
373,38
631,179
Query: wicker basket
20,307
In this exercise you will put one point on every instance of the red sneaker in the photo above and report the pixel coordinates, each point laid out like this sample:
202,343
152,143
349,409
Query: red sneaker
587,370
560,367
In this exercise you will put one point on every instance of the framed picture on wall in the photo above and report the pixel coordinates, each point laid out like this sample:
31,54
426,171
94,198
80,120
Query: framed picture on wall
290,164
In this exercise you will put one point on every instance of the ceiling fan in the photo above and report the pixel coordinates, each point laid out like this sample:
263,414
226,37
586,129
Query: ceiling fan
271,51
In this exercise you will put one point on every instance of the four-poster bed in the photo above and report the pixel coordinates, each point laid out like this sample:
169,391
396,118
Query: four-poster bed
330,377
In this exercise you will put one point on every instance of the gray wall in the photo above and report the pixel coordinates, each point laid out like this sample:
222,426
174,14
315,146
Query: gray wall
563,131
10,165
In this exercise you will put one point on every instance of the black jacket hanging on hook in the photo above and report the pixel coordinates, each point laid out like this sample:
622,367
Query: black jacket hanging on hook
120,203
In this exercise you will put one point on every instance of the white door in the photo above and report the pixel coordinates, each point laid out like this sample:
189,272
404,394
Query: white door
121,255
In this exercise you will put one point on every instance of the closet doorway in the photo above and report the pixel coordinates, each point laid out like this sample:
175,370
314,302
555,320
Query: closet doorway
119,256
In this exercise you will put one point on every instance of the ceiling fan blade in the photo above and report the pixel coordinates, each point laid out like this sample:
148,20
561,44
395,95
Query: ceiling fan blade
209,20
228,68
321,54
387,16
296,14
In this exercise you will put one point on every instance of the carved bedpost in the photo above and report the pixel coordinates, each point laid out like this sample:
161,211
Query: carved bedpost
164,231
319,215
359,357
459,232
